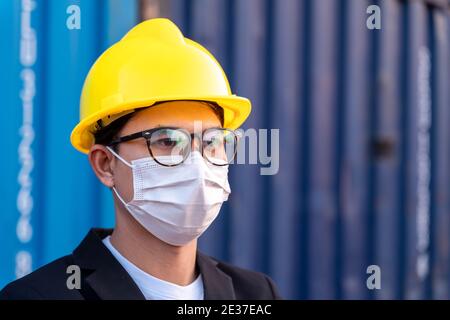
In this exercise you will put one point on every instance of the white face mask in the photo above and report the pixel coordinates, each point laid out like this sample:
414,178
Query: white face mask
176,204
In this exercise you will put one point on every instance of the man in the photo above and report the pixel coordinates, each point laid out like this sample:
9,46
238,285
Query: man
157,122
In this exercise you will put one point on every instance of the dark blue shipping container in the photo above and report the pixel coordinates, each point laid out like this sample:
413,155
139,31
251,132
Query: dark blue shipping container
364,130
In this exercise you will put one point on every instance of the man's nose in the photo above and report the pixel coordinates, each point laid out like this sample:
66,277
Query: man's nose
196,143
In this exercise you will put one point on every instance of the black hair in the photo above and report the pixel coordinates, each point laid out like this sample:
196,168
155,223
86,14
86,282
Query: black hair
105,135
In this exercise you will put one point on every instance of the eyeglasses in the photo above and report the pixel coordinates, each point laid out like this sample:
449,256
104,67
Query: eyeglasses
170,146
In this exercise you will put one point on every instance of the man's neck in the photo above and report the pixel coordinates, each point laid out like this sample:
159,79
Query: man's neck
153,256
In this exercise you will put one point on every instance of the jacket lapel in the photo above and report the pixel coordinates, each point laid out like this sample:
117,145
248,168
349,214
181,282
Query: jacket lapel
216,284
105,275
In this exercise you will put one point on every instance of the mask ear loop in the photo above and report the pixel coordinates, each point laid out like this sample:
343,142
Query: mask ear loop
120,158
127,164
118,196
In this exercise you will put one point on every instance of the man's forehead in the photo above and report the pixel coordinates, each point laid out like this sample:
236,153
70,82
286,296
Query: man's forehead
186,112
193,122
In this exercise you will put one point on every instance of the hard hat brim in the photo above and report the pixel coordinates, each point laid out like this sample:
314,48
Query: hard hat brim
236,110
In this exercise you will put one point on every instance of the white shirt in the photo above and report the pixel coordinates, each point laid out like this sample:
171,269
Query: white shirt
154,288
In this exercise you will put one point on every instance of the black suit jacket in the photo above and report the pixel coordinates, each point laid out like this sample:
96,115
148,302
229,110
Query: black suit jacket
103,277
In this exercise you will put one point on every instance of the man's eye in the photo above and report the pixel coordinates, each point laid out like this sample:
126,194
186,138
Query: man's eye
166,143
211,142
214,142
208,142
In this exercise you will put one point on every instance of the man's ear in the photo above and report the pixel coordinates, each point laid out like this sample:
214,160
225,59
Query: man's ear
102,163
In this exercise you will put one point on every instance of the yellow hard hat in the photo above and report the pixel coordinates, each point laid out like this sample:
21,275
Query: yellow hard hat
153,62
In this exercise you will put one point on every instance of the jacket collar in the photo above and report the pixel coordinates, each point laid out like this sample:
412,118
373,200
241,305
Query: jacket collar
110,281
217,285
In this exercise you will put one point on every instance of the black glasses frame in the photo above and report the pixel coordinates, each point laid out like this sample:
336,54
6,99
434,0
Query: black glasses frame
147,134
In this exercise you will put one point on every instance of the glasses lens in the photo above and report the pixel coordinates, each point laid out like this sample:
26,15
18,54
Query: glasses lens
169,147
219,146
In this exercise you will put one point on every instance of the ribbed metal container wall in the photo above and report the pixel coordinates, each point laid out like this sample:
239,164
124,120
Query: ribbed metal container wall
364,126
49,194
